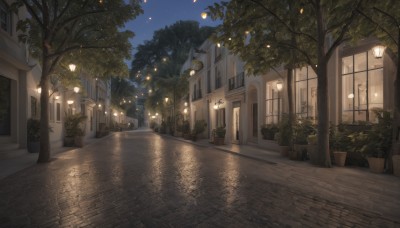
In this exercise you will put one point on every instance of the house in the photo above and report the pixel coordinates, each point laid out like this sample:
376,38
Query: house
360,80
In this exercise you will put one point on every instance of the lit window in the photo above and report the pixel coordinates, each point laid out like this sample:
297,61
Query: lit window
273,103
306,93
362,87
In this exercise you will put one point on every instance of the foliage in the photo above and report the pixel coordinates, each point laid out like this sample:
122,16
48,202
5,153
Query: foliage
261,31
166,52
122,91
33,130
199,127
220,132
74,125
302,129
340,141
269,130
186,127
285,133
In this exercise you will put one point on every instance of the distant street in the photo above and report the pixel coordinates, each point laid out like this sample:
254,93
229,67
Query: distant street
141,179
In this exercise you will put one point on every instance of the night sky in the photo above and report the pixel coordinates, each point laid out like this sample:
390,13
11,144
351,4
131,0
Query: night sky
164,13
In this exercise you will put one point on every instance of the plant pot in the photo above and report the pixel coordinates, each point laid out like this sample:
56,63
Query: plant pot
313,154
219,141
78,141
33,147
69,141
284,150
301,151
340,157
376,165
396,165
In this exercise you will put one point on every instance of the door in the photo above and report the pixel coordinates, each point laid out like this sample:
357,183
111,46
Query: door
236,124
5,106
255,120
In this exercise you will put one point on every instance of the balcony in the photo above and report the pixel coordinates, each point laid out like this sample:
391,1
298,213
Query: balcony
236,82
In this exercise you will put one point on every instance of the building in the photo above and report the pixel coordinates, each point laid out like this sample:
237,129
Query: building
360,80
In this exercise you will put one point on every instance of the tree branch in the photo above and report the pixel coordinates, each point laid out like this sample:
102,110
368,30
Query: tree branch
33,13
283,22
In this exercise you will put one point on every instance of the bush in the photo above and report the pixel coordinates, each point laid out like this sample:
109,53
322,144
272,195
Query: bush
302,129
186,127
269,130
33,127
285,133
220,132
199,127
74,125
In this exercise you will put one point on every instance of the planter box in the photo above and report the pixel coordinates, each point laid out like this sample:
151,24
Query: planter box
33,147
219,141
376,165
396,165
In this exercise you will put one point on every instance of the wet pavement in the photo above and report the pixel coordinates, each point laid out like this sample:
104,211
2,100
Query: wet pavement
141,179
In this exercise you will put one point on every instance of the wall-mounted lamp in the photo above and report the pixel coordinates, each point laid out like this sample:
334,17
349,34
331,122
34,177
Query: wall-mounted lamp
378,51
279,85
166,99
192,72
39,90
185,110
70,102
217,104
76,89
186,104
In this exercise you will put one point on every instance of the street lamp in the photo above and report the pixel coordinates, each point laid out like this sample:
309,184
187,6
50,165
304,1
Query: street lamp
279,85
39,90
204,15
378,51
166,99
70,102
72,67
76,89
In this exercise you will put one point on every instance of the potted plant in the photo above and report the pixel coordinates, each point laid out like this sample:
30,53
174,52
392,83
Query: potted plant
74,130
199,127
312,148
33,130
269,130
284,135
186,129
219,138
302,129
340,143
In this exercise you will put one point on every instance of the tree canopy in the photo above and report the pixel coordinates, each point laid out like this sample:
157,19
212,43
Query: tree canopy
87,33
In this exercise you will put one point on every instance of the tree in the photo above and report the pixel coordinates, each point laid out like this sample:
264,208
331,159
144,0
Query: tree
161,60
383,22
59,32
122,94
318,28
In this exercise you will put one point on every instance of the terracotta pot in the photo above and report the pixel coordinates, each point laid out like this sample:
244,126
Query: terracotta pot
340,158
396,165
219,141
376,165
284,150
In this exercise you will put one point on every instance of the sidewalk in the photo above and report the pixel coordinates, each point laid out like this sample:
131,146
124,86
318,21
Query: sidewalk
354,186
19,159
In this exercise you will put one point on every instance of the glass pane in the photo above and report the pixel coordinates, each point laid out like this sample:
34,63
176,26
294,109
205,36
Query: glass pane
360,116
360,90
312,98
347,116
360,62
301,97
311,73
373,62
347,95
347,65
301,74
375,90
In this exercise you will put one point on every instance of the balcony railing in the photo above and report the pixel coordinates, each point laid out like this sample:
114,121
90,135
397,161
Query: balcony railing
236,82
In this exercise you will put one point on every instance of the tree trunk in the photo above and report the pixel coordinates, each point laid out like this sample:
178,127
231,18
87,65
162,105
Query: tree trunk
44,155
290,93
324,157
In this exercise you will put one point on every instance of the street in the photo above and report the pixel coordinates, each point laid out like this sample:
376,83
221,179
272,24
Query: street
142,179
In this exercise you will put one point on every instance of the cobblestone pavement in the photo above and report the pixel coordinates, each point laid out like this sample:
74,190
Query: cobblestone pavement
144,180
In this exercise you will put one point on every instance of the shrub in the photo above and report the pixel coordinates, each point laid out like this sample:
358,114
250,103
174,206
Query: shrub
269,130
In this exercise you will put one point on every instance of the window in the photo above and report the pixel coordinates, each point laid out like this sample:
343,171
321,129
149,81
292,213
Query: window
306,93
218,78
362,86
208,81
51,111
273,103
5,17
58,112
